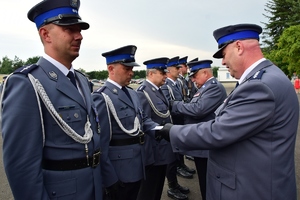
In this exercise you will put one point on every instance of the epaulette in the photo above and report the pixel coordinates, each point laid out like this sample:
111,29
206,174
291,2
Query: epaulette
257,75
141,88
25,69
99,90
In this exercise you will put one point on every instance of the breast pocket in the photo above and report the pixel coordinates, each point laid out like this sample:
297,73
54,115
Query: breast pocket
70,115
126,115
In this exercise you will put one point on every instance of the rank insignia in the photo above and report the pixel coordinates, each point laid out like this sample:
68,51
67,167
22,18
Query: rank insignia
53,75
115,91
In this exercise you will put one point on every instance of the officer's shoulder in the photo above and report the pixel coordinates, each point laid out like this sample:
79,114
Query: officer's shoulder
101,89
141,88
258,75
26,69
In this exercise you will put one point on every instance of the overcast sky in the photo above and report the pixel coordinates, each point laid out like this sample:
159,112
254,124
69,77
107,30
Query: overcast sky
159,28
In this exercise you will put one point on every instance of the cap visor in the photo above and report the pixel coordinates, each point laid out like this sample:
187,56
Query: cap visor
219,53
131,64
83,25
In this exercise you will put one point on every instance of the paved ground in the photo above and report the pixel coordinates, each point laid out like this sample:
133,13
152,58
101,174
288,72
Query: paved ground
5,193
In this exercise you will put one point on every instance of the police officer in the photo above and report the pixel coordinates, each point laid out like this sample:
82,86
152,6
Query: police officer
126,149
51,139
182,63
252,138
201,108
156,106
192,89
172,91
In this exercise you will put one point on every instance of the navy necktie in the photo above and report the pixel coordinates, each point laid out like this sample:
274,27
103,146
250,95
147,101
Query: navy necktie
126,92
72,78
237,84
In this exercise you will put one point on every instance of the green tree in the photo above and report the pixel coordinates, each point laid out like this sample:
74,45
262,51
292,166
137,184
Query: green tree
288,50
215,71
32,60
6,65
281,14
17,63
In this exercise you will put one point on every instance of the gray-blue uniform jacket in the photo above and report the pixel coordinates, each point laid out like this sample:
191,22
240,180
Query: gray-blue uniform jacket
173,93
128,161
201,107
23,150
251,140
162,150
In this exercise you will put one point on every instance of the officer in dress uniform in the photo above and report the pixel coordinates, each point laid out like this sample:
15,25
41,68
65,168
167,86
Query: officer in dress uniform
252,138
183,83
192,89
201,108
128,124
51,138
181,78
172,92
156,106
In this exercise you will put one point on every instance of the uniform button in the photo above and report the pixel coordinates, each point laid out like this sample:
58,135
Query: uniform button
119,156
53,193
218,176
68,117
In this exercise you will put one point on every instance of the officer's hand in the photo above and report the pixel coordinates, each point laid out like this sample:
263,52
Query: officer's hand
112,191
165,131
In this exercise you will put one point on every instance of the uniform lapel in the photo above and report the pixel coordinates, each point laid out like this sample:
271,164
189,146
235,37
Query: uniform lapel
63,84
120,94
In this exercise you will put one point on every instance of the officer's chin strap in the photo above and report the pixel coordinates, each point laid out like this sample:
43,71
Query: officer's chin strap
112,109
85,139
162,115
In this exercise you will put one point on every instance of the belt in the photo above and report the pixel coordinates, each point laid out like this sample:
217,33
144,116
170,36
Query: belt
140,139
80,163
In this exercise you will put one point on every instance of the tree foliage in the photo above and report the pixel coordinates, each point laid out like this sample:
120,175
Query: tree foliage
280,34
288,50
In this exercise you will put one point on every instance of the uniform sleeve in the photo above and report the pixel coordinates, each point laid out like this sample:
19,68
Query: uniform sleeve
248,112
22,139
109,174
201,106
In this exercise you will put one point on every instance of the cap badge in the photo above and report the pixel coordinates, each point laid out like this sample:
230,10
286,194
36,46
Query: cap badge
74,3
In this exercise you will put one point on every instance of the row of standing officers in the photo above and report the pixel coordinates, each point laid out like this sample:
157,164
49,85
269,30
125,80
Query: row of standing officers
61,142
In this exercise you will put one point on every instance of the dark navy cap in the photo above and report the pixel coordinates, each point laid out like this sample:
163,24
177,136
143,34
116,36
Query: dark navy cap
123,55
173,62
197,65
157,63
183,60
229,34
195,59
59,12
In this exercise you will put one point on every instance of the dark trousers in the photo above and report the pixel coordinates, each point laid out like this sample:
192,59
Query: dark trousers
172,170
152,187
127,191
201,166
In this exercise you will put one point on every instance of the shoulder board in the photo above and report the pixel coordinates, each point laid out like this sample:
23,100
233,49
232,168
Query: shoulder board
99,90
141,88
258,75
25,69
